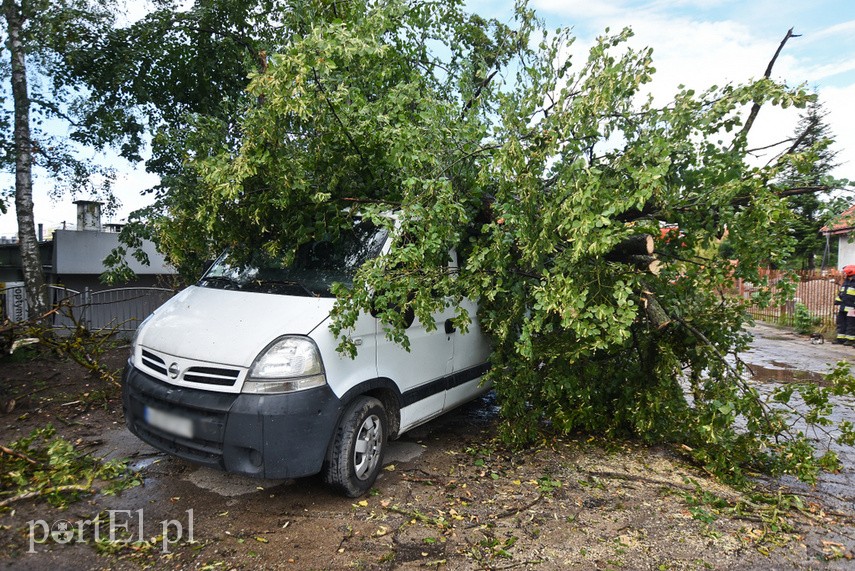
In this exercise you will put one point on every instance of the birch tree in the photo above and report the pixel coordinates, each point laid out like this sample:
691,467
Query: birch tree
48,44
29,247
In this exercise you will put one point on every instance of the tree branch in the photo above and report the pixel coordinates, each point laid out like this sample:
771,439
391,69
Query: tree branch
20,455
799,190
335,114
813,123
261,57
478,90
54,109
796,141
465,156
764,407
44,492
772,145
755,109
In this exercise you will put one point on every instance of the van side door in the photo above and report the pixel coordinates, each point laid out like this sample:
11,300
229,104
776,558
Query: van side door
422,373
471,353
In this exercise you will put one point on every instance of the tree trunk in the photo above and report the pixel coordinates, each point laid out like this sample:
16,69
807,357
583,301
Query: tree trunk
640,244
810,260
658,317
29,246
638,251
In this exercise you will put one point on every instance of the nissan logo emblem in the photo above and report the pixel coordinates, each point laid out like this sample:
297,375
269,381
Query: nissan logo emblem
173,371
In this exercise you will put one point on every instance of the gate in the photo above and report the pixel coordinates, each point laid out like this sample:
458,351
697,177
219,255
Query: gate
119,310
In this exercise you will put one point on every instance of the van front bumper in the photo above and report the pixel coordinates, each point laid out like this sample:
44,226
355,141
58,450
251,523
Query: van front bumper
272,436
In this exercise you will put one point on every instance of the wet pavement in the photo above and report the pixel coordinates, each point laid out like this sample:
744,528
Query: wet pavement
776,356
782,356
120,443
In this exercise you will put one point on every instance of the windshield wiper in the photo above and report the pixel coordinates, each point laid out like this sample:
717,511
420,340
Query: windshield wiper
287,284
223,281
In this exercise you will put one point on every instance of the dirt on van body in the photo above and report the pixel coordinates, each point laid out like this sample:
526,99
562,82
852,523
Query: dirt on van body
450,497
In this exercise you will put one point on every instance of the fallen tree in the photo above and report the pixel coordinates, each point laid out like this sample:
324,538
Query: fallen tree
553,180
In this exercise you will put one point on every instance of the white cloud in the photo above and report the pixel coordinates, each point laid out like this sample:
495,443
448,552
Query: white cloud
580,9
830,70
696,43
844,28
53,212
699,43
841,120
775,124
133,10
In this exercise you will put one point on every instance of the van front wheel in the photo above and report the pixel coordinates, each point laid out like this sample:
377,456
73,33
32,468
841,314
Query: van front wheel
356,454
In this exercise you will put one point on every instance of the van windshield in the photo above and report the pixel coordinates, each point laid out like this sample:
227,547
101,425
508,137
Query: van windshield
316,266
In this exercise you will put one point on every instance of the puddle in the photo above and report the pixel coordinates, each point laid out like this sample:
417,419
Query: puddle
401,451
471,418
786,375
145,462
483,410
225,484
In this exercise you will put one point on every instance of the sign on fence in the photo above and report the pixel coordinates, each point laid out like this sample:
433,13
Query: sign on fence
14,301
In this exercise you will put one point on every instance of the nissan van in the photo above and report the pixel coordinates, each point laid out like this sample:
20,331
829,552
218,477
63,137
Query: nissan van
240,371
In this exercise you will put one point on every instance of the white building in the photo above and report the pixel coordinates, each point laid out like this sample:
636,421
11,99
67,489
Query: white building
843,230
78,255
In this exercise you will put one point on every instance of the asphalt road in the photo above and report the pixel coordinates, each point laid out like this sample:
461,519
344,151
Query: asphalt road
780,355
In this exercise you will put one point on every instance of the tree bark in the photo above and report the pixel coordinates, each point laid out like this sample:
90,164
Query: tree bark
638,251
28,243
658,317
649,264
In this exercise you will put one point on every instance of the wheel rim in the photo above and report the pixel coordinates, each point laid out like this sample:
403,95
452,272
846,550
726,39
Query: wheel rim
369,441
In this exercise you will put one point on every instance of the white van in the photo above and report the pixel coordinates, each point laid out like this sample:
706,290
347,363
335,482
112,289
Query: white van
240,372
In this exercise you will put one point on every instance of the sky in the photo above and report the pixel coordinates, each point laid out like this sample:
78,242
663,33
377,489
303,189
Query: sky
697,43
701,43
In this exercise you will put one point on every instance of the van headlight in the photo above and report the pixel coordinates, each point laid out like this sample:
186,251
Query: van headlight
136,338
288,364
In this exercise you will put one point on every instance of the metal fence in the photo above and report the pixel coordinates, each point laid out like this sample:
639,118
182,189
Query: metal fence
119,310
815,290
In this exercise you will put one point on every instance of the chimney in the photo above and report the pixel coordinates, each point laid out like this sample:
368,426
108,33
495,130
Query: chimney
88,215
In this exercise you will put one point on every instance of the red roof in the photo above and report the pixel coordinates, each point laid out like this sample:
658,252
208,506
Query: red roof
842,224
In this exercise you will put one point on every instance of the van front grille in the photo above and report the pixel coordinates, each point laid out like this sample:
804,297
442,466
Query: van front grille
183,371
212,376
206,410
154,362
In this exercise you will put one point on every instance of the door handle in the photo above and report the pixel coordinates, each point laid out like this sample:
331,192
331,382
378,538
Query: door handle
449,327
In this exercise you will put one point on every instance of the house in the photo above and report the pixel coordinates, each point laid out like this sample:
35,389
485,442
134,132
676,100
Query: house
10,259
78,255
842,228
73,259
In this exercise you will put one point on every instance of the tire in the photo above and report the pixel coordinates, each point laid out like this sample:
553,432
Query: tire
356,453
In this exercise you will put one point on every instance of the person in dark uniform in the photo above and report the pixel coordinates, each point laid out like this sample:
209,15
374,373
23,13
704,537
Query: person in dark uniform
845,303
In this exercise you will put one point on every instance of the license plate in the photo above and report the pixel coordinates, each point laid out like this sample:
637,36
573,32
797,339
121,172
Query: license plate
169,422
